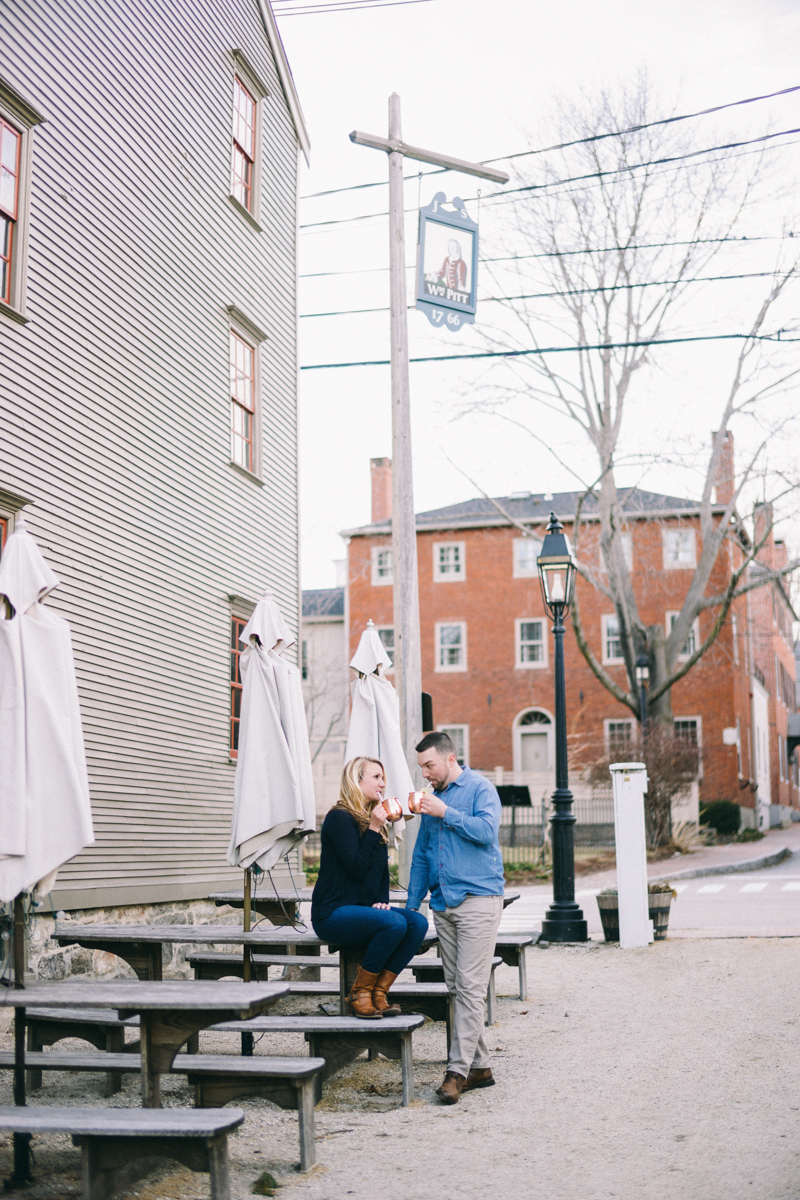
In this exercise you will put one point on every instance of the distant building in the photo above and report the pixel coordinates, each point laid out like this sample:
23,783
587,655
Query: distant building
326,678
486,643
148,395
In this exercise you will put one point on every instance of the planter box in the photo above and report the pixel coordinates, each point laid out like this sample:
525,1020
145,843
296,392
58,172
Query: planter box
658,907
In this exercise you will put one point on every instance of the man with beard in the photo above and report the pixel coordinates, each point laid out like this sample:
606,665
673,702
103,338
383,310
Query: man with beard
457,859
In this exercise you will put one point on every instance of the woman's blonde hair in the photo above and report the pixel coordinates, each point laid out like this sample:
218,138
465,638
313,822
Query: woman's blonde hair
351,797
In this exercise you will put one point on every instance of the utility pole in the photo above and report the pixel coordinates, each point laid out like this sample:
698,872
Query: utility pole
407,660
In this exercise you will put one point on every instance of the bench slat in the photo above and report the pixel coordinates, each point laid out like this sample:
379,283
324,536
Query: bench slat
408,1021
275,960
122,1122
228,1064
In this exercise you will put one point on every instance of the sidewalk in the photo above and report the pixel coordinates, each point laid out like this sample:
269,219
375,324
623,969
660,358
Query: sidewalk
711,861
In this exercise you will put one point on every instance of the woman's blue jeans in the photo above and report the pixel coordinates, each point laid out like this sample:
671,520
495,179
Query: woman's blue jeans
392,936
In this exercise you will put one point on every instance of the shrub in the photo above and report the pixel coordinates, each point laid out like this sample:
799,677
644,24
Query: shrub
749,835
722,815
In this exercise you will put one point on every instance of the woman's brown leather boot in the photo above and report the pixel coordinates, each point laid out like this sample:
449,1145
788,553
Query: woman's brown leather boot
360,996
379,997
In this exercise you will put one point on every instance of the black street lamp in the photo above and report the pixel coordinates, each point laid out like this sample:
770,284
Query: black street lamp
564,921
643,678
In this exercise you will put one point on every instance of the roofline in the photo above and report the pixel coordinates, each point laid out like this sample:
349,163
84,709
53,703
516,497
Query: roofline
500,522
327,619
285,76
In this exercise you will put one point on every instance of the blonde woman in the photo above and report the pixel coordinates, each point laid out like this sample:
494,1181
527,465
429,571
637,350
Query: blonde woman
350,904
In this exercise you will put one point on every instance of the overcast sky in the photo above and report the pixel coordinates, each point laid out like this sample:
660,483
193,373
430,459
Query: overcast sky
477,81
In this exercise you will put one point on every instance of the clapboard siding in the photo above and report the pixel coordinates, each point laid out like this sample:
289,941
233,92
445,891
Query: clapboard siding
115,411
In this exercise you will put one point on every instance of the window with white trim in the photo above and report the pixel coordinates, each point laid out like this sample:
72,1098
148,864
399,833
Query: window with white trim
687,729
246,139
735,636
781,758
619,735
459,734
612,643
451,646
531,643
386,634
693,640
449,561
526,551
625,541
679,549
382,569
17,122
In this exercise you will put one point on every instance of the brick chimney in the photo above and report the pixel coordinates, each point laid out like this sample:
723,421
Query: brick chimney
763,528
725,475
381,473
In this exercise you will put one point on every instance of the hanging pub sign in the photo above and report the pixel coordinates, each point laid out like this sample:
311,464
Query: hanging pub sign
447,264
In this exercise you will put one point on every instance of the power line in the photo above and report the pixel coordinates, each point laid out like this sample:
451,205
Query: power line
563,253
336,6
599,137
711,337
619,287
653,162
534,187
578,142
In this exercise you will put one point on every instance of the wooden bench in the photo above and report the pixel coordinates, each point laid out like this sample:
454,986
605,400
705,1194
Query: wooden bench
260,964
430,999
430,970
100,1028
120,1145
512,948
340,1040
217,1078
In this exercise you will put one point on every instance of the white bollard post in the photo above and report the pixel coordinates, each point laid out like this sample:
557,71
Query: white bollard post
629,781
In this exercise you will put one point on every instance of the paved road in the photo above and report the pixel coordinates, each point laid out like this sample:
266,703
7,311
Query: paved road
760,903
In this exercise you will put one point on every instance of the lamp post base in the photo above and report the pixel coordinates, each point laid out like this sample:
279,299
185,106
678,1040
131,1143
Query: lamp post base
565,925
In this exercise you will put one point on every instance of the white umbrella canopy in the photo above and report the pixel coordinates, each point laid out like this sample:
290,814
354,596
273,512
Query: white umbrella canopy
273,794
45,810
374,729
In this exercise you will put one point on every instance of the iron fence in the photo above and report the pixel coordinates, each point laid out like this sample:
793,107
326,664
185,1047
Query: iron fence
525,828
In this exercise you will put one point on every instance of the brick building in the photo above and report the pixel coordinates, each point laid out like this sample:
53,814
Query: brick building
487,646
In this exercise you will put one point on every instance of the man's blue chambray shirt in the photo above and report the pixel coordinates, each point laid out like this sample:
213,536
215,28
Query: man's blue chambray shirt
458,855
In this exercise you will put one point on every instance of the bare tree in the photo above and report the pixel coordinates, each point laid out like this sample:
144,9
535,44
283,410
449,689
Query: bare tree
621,221
325,700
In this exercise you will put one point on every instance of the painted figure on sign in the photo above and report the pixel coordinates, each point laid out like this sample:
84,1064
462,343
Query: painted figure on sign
453,270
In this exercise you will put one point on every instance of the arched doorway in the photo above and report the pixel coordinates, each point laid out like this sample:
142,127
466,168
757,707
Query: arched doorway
533,741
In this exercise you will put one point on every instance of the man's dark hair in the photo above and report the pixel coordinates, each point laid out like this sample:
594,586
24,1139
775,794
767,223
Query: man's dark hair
437,741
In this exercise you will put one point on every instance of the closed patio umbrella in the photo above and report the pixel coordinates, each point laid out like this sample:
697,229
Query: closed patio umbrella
374,729
273,795
45,811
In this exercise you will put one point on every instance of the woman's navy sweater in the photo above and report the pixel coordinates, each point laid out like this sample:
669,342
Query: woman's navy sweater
353,868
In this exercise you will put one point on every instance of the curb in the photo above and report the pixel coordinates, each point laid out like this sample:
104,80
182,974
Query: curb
752,864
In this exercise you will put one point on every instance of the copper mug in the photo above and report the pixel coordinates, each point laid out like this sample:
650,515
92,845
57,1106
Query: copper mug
415,801
393,808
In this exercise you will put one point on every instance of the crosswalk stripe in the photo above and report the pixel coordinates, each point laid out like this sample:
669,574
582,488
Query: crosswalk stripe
791,887
710,887
753,887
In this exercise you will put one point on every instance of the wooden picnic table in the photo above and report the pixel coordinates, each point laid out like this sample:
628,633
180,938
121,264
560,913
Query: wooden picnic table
170,1013
281,906
350,955
140,945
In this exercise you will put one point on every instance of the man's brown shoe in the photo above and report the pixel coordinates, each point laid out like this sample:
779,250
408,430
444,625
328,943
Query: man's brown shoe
451,1089
479,1077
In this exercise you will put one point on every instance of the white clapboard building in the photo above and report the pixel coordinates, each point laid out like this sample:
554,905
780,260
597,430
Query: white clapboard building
148,394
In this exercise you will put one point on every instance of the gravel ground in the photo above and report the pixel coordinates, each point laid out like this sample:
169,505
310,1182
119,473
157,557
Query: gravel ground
670,1073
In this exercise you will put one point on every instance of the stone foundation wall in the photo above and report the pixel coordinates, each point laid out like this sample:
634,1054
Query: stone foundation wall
47,960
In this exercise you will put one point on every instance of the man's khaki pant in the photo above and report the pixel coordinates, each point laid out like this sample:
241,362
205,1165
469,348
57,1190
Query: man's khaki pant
467,937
